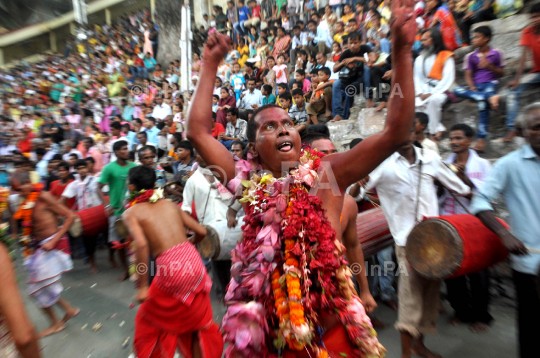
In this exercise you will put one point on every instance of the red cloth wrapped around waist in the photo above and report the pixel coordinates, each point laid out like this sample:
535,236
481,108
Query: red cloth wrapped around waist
336,342
180,273
164,323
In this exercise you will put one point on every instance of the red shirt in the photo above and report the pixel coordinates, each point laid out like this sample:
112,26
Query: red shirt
532,40
217,130
57,189
256,11
139,62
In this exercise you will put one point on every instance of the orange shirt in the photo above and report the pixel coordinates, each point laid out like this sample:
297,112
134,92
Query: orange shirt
319,92
532,41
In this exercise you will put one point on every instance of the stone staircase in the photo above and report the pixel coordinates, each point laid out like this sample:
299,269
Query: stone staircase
364,122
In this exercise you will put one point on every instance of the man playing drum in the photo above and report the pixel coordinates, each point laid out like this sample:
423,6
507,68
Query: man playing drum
85,190
47,245
277,145
406,188
115,175
176,311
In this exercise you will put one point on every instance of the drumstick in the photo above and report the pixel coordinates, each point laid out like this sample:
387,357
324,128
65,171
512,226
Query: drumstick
533,250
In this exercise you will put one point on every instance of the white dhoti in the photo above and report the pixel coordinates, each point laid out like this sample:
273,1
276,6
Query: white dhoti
432,106
45,269
427,83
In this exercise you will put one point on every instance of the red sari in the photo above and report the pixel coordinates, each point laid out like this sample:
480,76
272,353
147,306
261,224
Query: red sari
281,45
447,26
221,115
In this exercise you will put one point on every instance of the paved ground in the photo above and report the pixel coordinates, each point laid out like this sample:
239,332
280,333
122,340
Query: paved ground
104,300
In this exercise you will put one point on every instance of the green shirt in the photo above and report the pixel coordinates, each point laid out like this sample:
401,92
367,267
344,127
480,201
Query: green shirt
221,25
115,176
56,90
279,4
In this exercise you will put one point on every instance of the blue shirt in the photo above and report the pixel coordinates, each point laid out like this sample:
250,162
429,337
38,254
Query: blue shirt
321,35
243,13
128,113
270,99
516,177
131,137
153,135
149,62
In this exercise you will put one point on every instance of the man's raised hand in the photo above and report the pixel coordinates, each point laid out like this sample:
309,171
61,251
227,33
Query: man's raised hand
403,23
217,46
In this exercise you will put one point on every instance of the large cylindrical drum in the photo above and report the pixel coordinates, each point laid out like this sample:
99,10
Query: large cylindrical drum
452,246
218,244
90,222
373,232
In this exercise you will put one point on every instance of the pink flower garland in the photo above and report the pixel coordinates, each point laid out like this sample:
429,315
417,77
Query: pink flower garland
279,210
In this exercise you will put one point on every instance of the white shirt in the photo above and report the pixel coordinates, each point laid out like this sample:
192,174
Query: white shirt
250,99
49,155
160,112
330,65
477,169
397,186
209,205
424,85
86,192
65,157
301,40
41,168
431,145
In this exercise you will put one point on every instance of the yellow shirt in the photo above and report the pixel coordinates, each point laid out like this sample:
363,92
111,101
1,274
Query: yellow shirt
386,14
339,38
346,18
279,104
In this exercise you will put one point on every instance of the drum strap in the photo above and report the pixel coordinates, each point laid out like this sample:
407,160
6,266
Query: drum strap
418,191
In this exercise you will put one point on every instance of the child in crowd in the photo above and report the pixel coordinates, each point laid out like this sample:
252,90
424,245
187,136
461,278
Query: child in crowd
483,68
300,76
280,70
268,96
321,98
296,85
217,86
285,101
298,111
336,52
237,81
281,89
269,76
340,32
215,100
158,74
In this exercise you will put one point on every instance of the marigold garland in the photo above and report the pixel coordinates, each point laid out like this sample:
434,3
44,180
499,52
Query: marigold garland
288,242
25,213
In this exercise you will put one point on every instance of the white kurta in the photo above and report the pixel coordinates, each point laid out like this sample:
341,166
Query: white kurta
432,106
396,181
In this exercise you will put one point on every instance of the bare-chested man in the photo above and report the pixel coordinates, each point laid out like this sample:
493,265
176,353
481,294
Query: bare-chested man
272,135
176,311
52,248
